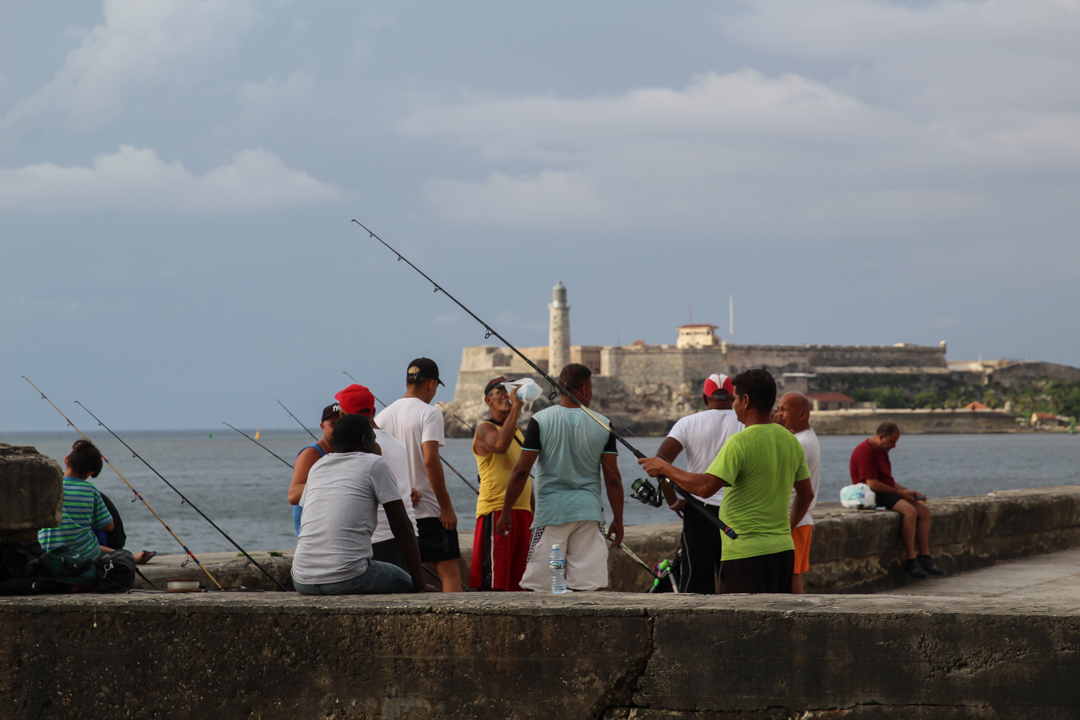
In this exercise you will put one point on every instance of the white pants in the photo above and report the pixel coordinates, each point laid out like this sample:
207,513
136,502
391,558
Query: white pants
586,551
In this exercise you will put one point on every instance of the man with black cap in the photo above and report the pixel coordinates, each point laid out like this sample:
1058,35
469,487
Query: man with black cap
419,427
310,455
701,435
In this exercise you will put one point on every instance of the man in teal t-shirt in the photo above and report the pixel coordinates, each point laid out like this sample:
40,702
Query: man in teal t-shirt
760,465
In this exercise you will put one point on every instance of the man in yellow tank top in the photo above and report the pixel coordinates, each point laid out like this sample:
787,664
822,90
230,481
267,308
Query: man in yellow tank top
498,562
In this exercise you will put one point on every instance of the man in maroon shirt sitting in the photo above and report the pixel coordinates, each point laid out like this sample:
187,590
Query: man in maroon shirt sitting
870,464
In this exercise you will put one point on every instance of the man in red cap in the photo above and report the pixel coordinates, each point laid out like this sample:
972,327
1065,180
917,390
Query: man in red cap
701,435
358,400
420,428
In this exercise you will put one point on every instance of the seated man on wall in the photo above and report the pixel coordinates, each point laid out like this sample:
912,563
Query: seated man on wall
344,490
870,464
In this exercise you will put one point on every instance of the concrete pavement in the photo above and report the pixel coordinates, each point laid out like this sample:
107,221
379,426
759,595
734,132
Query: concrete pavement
1042,577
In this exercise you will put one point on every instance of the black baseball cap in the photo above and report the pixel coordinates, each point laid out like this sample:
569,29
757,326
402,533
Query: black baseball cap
330,411
492,384
423,369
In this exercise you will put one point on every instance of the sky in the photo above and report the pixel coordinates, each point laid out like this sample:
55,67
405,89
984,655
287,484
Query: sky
178,181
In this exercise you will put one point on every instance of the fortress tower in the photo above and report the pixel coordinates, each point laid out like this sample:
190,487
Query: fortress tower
559,330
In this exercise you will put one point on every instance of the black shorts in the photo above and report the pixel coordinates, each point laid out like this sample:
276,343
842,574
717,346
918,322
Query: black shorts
389,551
761,574
436,542
887,500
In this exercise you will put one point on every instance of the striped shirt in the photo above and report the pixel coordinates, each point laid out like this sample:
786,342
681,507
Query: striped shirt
84,510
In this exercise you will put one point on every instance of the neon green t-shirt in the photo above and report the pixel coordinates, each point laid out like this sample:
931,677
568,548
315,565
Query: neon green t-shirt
761,464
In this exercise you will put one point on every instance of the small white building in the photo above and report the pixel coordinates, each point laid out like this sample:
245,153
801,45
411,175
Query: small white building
700,335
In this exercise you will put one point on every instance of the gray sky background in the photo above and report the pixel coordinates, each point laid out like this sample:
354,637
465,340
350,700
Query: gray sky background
177,181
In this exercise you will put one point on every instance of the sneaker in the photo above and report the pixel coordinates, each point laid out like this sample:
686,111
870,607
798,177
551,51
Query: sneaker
929,565
914,569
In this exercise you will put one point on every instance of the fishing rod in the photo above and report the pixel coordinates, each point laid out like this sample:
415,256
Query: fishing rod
445,461
140,497
260,444
134,454
643,489
296,419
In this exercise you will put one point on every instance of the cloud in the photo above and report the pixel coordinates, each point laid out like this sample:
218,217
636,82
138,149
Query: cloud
946,120
139,44
138,180
257,100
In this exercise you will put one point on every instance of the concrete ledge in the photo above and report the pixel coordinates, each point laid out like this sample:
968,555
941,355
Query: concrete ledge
851,550
586,655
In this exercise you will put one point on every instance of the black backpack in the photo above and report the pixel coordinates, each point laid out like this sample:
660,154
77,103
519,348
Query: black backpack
18,569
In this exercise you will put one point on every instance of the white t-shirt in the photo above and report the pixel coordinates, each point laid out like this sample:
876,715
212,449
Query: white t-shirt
702,435
394,454
342,494
812,450
413,422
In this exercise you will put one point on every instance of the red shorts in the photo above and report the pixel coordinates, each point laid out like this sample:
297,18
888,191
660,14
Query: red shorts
801,536
499,562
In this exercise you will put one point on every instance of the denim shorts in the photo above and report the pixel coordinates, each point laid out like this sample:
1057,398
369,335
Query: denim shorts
379,578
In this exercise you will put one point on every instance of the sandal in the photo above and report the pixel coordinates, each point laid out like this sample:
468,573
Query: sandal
148,555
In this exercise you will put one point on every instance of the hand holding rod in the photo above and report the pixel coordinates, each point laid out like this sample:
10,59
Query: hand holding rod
691,500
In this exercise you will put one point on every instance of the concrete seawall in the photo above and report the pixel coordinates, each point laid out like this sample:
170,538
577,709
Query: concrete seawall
851,551
591,655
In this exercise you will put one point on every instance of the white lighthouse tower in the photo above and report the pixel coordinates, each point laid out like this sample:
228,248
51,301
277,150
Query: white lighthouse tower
559,331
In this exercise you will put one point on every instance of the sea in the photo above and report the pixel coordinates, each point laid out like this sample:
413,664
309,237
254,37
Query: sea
242,488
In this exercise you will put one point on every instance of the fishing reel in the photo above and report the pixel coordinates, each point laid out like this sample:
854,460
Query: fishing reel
646,492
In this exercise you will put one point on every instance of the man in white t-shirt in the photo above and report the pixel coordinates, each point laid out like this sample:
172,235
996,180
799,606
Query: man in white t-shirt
793,412
358,400
419,427
701,435
343,491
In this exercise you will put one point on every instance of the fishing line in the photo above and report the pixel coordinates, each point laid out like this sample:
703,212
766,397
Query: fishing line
184,498
297,420
164,524
445,461
638,485
259,444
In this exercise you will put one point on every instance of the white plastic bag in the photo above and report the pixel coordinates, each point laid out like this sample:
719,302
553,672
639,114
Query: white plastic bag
526,388
858,497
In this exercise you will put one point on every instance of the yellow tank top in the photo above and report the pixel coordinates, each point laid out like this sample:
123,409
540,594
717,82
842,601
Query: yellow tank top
495,472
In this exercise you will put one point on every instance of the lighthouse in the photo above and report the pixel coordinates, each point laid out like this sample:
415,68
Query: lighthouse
559,330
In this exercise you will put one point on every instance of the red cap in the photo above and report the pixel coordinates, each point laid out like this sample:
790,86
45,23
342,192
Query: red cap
355,399
719,387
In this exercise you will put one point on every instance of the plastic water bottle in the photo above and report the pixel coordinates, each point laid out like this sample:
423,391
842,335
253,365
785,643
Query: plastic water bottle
557,563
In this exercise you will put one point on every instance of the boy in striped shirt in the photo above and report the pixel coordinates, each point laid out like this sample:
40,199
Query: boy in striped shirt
84,510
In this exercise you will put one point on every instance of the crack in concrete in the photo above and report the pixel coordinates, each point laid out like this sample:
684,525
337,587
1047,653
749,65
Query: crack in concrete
622,692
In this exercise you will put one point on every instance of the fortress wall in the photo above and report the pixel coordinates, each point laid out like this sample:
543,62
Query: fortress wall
877,355
1019,373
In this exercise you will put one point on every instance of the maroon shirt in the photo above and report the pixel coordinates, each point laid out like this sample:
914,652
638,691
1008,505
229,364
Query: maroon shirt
867,463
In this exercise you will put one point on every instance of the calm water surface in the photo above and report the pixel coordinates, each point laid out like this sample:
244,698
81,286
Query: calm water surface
242,488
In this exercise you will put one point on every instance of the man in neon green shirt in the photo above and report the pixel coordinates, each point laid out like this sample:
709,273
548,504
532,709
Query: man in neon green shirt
761,465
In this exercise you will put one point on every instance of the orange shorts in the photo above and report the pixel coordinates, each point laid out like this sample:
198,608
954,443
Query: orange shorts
801,536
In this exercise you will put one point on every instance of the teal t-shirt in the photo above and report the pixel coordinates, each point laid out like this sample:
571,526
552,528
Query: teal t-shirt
84,511
566,477
761,464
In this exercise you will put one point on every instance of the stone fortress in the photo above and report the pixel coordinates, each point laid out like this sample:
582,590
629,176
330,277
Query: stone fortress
646,388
